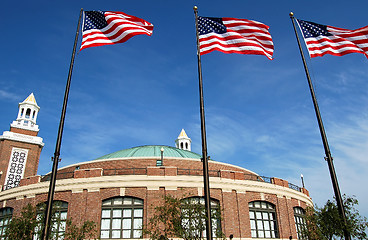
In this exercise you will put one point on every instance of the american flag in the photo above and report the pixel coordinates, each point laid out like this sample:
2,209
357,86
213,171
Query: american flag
323,39
103,28
231,35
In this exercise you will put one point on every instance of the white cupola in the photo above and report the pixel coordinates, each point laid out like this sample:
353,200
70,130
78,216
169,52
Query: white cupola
183,141
27,114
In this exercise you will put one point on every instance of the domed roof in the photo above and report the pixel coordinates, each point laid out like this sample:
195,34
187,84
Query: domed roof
151,151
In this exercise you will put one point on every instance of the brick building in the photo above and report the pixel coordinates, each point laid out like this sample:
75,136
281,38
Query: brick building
119,190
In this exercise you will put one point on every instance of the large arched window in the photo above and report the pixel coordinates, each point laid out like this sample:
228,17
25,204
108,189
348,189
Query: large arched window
300,223
122,217
6,215
58,221
193,221
263,223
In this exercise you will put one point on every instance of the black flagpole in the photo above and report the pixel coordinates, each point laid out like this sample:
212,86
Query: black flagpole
48,210
204,142
328,157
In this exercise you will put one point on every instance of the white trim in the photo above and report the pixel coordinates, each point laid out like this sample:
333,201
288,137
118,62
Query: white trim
22,138
123,181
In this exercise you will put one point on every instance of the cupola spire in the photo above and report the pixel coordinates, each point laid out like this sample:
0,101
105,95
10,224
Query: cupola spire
27,114
183,141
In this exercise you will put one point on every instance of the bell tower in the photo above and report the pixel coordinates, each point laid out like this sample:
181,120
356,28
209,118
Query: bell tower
20,148
183,141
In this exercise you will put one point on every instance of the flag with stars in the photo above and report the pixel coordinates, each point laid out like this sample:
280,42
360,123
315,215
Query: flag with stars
103,28
232,35
323,39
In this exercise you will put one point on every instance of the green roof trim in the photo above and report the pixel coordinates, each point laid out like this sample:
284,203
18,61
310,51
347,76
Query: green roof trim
151,151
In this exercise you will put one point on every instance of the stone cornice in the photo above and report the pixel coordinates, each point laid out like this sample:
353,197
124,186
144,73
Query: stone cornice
22,138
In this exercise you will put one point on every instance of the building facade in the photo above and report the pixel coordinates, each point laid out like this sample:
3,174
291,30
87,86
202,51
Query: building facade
119,191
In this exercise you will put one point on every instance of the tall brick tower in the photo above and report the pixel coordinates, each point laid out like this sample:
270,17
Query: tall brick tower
20,148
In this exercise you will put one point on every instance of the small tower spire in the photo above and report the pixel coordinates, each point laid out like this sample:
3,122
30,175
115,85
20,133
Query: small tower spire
183,141
27,114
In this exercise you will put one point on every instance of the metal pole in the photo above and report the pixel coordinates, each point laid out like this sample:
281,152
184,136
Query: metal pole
204,142
48,210
328,157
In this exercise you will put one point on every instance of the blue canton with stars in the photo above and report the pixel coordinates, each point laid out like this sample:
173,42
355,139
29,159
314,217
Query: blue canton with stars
311,29
94,20
207,25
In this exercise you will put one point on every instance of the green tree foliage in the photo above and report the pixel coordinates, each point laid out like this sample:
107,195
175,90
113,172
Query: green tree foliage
87,230
177,218
326,224
30,224
22,227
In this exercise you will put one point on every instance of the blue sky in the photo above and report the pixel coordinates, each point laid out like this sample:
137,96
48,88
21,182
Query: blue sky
259,113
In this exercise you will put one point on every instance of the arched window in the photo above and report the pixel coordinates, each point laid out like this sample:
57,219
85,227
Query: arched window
263,223
58,221
122,217
181,145
300,224
193,222
28,113
186,146
6,215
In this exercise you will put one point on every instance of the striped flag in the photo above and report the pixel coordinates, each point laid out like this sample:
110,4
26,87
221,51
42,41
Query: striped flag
104,28
323,39
231,35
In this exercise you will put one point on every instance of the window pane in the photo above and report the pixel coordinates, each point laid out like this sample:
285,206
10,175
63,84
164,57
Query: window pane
137,234
127,213
259,225
115,234
263,205
126,233
138,201
105,224
63,215
116,213
265,215
118,201
251,215
104,234
105,213
116,224
138,212
252,224
267,234
62,226
137,223
127,201
258,215
267,226
260,234
127,223
257,204
254,233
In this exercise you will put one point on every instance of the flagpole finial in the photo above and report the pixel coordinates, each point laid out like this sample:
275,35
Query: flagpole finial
291,14
195,8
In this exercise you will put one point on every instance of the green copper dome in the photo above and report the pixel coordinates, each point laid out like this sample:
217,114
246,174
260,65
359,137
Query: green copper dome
151,151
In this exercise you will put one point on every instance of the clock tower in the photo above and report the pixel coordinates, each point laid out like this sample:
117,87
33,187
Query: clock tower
20,148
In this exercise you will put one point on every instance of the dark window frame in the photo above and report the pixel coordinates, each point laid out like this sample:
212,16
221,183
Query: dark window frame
300,222
215,207
6,214
111,206
263,220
